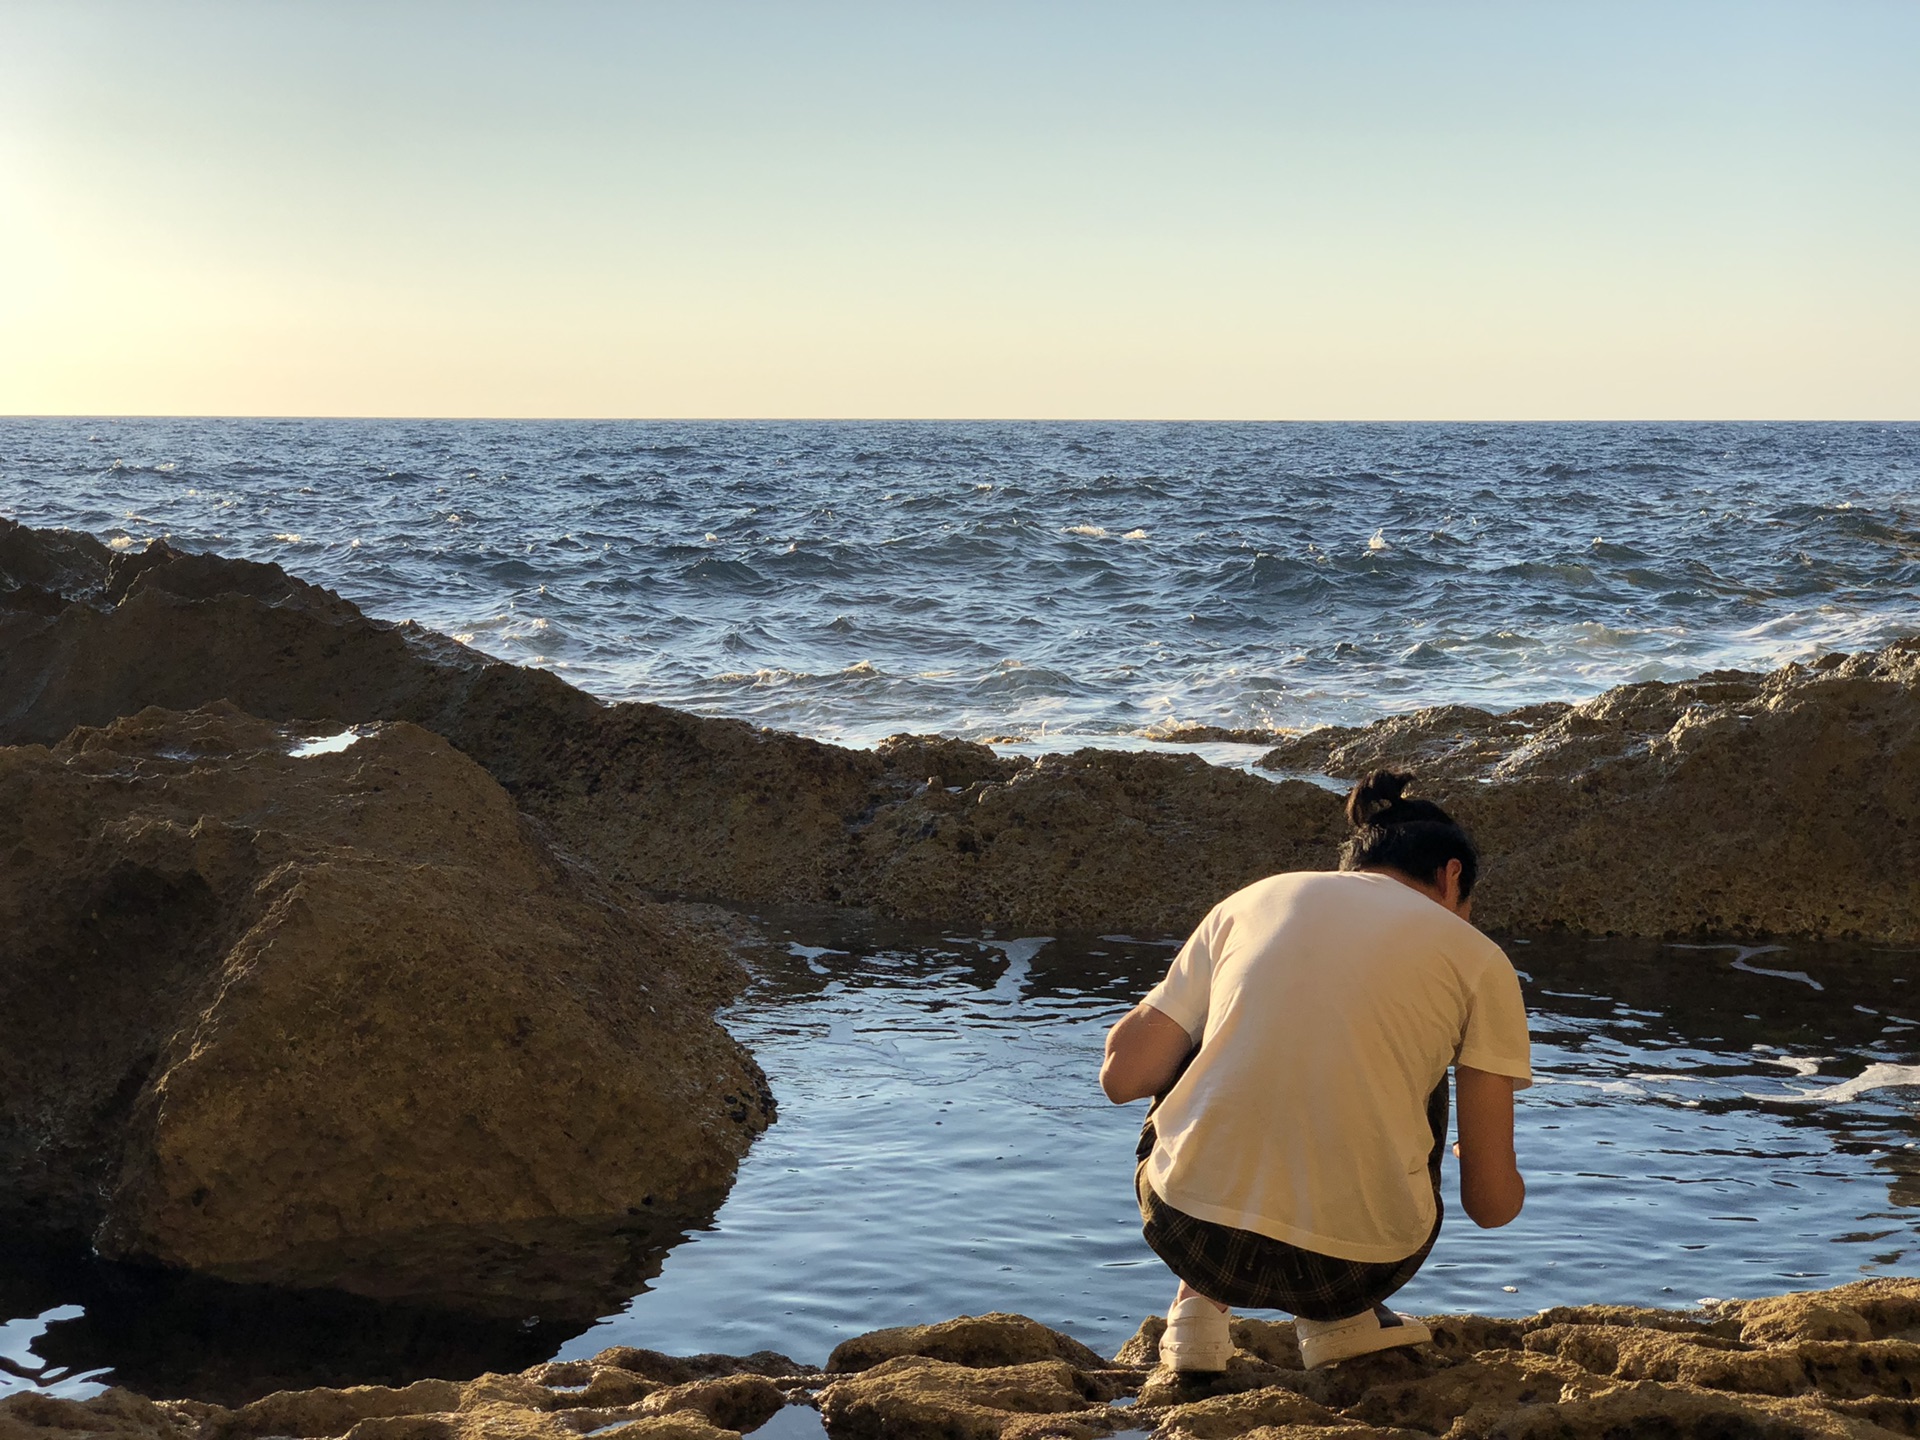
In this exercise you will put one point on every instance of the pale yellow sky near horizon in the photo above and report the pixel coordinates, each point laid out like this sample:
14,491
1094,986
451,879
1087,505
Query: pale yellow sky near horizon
1375,211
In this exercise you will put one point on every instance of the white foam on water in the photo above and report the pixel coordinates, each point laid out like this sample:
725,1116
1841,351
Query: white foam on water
1802,1065
1012,982
1880,1076
1744,953
1021,951
1605,1087
324,745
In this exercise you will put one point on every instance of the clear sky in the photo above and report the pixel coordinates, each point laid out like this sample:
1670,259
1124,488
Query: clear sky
1340,210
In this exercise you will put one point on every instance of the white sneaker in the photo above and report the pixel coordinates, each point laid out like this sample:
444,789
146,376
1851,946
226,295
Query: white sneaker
1324,1341
1197,1337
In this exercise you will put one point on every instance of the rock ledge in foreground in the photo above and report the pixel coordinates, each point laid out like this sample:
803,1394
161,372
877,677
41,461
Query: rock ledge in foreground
1832,1365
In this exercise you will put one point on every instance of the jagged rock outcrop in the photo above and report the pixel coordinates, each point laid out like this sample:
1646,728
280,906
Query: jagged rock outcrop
653,798
347,1021
1783,805
1740,1370
1732,805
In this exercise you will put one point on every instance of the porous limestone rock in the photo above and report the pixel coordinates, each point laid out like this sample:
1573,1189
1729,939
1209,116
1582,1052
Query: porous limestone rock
1225,1416
1193,732
975,1340
674,1370
913,1395
1579,1373
492,1407
655,799
345,1021
32,1416
1732,805
733,1402
1092,840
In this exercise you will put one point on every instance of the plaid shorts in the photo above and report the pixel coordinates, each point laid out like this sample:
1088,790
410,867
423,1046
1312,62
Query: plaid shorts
1256,1272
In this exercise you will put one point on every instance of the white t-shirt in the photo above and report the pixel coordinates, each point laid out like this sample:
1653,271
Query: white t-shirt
1327,1006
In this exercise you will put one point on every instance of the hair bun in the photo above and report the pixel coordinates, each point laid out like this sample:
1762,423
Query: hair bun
1374,796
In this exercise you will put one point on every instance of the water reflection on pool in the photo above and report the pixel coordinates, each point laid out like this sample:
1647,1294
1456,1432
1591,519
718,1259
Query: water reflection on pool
943,1147
1710,1121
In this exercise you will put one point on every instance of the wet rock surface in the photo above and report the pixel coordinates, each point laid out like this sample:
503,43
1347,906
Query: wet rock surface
346,1021
1786,804
1739,1369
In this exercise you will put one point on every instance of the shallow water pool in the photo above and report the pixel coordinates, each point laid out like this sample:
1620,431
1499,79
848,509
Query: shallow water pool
943,1147
1710,1121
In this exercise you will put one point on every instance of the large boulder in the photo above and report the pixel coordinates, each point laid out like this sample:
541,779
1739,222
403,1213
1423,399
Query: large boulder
346,1020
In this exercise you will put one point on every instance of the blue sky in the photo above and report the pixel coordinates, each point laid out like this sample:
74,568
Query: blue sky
1361,210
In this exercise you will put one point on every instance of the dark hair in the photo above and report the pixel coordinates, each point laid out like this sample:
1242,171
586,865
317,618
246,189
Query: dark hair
1415,837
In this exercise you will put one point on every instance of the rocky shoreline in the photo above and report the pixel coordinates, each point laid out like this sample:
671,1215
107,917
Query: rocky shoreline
1784,805
1833,1365
337,954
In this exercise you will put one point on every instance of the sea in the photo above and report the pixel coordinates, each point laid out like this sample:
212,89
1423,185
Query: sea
1712,1119
1052,584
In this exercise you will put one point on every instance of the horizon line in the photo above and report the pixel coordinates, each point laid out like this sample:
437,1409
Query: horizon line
959,419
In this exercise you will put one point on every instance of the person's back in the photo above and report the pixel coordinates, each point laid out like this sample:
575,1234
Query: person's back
1326,1008
1299,1046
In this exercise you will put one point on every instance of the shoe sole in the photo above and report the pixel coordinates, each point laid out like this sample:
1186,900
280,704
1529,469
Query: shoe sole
1395,1337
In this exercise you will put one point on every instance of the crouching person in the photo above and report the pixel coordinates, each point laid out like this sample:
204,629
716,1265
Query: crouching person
1299,1046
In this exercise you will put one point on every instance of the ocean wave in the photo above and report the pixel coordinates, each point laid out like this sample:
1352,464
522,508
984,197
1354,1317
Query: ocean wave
1127,566
729,574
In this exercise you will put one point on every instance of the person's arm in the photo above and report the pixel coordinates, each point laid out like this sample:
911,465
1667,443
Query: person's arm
1491,1190
1144,1052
